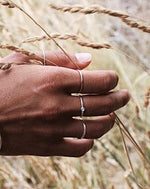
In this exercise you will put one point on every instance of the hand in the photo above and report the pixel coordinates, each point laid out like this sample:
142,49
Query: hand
36,106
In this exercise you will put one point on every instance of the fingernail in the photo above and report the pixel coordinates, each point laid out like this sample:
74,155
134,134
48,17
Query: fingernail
83,57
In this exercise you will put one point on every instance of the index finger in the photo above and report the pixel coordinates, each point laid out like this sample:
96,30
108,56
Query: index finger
99,81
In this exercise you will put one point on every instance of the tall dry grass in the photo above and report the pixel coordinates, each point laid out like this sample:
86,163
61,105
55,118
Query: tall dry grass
120,48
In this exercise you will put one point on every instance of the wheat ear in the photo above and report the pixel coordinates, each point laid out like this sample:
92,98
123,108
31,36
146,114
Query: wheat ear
11,4
81,42
127,19
33,56
17,49
5,66
73,37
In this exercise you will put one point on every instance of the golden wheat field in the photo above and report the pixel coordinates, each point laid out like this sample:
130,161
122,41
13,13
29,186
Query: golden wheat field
117,34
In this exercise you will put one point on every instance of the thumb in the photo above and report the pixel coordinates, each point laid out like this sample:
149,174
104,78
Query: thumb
57,58
76,61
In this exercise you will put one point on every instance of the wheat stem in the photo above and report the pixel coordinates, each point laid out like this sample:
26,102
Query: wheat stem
127,133
16,49
97,9
73,37
11,3
81,42
32,55
128,156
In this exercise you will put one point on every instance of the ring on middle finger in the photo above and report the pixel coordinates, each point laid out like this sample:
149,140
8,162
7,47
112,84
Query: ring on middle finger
82,106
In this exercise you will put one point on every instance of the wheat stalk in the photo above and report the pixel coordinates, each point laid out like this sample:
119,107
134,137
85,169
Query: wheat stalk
33,58
5,66
134,24
73,37
81,42
127,19
123,131
17,49
11,4
53,35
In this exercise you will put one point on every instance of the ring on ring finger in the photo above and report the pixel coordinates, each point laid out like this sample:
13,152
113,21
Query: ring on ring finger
84,129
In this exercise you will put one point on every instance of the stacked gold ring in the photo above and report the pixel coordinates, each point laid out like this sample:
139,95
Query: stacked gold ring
82,104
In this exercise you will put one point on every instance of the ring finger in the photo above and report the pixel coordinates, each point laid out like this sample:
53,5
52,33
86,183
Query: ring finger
75,128
93,128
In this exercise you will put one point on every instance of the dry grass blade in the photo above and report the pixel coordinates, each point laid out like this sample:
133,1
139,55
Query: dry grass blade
127,133
128,156
143,66
74,37
127,19
123,131
7,173
11,4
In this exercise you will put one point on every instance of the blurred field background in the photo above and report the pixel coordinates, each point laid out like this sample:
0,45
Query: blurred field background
106,165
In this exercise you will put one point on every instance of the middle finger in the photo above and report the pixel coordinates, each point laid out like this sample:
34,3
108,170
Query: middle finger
98,105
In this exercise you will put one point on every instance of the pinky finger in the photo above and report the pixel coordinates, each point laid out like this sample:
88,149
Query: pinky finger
76,148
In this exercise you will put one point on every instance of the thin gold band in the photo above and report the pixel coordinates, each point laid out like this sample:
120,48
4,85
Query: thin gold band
84,129
81,81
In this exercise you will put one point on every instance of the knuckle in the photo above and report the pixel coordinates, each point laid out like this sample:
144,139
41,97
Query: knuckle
110,104
54,109
52,79
110,80
50,110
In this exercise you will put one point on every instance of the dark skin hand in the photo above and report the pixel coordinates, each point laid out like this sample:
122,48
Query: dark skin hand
37,107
